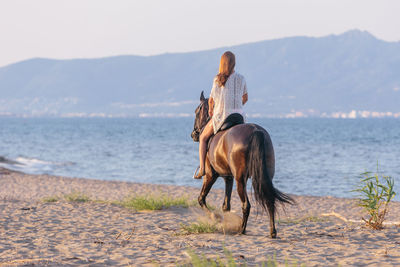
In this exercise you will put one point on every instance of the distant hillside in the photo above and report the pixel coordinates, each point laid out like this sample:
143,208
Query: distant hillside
336,73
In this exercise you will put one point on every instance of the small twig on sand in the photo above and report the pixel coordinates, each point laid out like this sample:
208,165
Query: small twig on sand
337,215
118,235
129,237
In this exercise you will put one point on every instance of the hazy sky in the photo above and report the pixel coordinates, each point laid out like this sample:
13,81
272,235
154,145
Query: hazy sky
99,28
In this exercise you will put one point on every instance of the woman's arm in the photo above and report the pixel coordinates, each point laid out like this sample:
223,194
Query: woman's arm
245,97
210,106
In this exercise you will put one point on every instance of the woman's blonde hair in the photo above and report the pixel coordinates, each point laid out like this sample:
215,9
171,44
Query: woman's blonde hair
226,66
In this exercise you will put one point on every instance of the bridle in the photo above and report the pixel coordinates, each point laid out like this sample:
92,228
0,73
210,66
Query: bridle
207,118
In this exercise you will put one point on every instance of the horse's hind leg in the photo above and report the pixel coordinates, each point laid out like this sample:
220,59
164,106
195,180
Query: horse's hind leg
228,192
241,188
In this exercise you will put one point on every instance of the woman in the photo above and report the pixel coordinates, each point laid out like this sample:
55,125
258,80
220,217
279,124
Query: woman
228,95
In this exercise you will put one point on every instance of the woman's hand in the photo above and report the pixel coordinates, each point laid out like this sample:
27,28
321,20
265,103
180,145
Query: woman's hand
245,97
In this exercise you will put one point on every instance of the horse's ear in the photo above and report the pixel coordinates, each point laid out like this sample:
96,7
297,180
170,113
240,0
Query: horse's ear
202,98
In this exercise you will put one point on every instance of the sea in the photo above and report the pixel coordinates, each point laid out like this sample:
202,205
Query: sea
314,156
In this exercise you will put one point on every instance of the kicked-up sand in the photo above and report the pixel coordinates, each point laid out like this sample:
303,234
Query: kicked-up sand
318,231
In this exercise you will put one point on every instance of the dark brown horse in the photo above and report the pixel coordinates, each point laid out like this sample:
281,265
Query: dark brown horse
241,152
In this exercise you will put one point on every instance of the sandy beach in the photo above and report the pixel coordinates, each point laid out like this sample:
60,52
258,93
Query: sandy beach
99,232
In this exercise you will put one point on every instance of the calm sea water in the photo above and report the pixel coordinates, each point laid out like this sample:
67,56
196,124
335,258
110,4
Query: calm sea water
313,156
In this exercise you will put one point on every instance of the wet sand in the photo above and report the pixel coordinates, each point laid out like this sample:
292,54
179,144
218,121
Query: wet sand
98,232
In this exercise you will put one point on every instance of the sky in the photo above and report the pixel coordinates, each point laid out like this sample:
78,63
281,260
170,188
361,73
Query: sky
65,29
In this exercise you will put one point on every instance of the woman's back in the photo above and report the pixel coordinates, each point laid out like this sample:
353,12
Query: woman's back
228,98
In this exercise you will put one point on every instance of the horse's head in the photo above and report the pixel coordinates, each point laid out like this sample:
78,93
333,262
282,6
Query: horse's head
201,119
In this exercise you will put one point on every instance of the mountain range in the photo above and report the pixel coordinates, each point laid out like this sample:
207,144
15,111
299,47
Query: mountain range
353,73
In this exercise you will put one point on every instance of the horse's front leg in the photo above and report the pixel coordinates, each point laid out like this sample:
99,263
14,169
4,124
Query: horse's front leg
208,181
228,192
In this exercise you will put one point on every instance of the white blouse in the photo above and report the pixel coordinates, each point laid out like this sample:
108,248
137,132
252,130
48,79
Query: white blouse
227,99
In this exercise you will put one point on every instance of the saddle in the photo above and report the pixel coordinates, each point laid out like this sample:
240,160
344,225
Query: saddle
230,121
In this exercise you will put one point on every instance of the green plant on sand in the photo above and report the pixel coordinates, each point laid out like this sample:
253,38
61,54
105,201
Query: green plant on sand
76,196
50,199
376,192
230,261
154,202
200,227
203,261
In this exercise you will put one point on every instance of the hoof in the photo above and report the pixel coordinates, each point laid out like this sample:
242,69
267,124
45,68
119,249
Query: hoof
273,234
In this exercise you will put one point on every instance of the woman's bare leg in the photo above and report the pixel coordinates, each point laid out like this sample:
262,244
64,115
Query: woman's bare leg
205,135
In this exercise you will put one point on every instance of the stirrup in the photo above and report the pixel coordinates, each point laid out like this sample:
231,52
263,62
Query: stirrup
196,174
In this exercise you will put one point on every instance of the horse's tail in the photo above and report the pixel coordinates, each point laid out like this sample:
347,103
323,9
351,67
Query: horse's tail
265,192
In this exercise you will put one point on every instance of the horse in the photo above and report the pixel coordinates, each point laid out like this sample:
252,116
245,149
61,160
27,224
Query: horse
241,152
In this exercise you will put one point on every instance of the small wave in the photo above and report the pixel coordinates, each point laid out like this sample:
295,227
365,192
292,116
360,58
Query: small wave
31,161
32,165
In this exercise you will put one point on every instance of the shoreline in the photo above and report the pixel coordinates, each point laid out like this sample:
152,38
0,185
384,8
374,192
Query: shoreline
69,233
7,171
